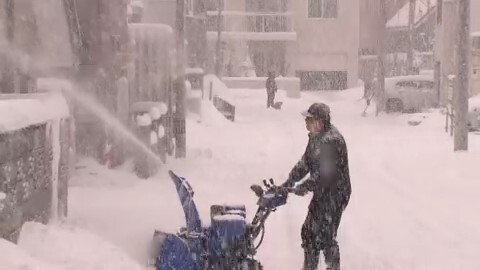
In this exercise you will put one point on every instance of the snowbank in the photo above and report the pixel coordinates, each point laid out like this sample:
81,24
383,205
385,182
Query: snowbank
20,111
232,35
46,84
474,102
218,88
12,257
71,248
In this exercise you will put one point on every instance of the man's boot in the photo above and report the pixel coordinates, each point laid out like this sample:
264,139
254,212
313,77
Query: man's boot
332,257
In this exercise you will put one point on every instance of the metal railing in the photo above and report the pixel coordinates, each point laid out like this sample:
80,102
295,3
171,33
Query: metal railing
232,21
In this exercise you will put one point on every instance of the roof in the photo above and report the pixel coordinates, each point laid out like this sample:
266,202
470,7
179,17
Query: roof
400,19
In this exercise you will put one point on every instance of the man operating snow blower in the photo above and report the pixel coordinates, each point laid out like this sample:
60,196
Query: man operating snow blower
326,159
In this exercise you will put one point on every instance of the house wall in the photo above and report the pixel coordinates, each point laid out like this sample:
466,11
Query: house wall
445,49
474,16
327,49
159,11
369,20
475,27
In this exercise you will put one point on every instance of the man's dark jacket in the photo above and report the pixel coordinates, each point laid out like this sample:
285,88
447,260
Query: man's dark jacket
326,159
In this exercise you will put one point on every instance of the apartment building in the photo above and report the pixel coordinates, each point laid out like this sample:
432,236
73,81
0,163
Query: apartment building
315,40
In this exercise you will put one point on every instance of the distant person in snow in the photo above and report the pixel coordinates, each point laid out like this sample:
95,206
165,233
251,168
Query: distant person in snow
271,87
326,159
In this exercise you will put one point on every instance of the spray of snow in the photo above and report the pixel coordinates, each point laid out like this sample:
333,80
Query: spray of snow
106,117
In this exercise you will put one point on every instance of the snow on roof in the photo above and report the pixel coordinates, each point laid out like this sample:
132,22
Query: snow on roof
476,34
196,70
400,19
18,111
157,27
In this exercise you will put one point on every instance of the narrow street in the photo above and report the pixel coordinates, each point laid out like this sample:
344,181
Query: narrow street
412,204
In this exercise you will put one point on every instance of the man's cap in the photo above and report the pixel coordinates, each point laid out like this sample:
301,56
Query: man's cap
319,111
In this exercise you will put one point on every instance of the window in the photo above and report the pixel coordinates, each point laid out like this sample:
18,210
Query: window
323,9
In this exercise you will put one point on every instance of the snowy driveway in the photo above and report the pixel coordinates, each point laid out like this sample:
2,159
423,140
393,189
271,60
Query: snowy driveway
414,203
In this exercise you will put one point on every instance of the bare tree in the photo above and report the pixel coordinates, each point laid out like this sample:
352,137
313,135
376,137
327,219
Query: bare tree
463,72
411,33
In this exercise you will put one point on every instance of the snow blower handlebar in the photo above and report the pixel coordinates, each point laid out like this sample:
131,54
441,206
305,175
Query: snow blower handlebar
269,198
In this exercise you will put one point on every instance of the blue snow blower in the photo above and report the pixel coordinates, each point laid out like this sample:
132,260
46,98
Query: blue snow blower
228,243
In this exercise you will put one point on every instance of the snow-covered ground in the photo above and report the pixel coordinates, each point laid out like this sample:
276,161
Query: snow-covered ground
413,206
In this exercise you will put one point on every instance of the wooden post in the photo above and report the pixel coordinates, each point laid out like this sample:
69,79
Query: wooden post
179,84
463,72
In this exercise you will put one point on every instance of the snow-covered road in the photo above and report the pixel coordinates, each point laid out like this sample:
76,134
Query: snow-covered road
413,206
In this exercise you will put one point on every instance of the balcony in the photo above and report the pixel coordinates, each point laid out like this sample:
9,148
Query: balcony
238,25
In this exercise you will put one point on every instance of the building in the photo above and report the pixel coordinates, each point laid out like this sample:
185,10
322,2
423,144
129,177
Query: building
397,36
277,36
445,33
32,43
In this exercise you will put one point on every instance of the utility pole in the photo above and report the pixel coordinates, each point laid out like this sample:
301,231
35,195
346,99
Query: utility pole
218,52
411,32
463,72
380,87
179,83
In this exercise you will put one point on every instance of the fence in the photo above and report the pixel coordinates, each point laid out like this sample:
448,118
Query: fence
28,161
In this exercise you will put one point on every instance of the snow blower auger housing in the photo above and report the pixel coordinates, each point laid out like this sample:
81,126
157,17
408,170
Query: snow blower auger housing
228,243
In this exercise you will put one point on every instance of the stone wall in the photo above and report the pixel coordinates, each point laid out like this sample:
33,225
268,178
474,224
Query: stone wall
26,176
